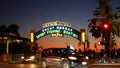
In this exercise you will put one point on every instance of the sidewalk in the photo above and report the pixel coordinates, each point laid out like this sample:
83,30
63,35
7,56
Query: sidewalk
105,64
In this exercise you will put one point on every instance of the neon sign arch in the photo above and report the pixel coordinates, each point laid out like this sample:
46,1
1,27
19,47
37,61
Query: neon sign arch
58,31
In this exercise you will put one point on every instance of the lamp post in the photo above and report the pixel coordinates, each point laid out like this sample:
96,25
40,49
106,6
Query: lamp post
83,37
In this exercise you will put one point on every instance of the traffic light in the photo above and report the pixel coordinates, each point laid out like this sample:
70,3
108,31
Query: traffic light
106,26
106,29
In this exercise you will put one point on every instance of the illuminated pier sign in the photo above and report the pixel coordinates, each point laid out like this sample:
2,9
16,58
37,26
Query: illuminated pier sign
56,23
57,31
57,35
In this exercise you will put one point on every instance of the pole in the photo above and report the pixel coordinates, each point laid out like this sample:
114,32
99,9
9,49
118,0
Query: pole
105,12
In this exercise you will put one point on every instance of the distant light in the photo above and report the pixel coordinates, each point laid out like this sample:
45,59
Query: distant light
83,37
32,35
56,23
83,34
72,47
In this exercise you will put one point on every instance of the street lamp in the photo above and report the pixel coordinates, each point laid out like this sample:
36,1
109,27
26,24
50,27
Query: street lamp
83,37
82,33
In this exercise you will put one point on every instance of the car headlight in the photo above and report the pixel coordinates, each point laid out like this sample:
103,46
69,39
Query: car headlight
72,58
22,57
32,57
87,57
84,63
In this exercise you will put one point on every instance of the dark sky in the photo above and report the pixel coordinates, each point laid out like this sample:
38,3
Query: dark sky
31,14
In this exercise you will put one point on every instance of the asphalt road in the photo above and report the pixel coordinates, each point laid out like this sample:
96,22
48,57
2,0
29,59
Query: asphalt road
29,65
19,66
104,66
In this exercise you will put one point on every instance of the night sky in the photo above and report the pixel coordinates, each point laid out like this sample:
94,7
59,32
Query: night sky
31,14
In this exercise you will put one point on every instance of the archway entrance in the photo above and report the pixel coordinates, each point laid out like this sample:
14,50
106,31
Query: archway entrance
59,31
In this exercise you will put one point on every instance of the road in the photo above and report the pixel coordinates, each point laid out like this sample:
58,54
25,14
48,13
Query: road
19,66
29,65
104,66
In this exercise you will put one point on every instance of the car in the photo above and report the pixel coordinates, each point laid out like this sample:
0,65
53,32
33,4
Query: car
28,58
64,57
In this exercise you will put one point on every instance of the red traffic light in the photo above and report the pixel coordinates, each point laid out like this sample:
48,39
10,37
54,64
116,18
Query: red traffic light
105,25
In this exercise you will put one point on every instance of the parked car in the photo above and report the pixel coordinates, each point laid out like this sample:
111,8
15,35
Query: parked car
28,58
64,57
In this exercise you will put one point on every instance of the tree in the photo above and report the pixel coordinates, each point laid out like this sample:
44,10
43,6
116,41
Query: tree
13,28
116,28
103,13
5,31
94,29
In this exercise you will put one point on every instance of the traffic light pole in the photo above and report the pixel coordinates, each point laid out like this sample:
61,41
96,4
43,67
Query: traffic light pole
107,45
106,34
105,12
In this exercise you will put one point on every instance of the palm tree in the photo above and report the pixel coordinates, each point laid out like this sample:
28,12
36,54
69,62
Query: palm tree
111,16
102,14
116,29
95,30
